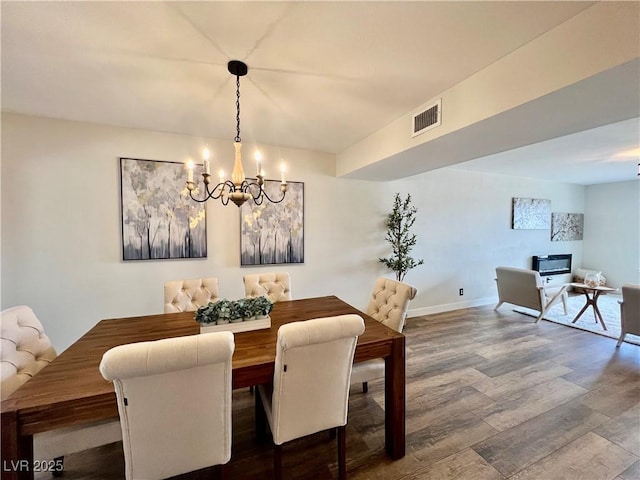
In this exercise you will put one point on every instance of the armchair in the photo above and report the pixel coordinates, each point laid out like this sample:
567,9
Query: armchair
524,288
629,312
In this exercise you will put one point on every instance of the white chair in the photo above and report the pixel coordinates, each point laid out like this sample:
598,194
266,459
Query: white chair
388,304
629,312
524,288
275,286
189,295
25,350
174,400
310,391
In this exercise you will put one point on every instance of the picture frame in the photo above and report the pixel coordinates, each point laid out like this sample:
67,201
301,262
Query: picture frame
273,233
566,227
530,214
159,220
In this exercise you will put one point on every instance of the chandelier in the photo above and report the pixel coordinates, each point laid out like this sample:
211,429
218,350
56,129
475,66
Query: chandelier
238,189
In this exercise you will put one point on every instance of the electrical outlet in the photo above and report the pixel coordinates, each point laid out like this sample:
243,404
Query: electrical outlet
461,292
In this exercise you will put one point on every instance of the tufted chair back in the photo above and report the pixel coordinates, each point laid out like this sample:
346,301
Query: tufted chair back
174,401
390,301
389,304
189,295
275,286
26,349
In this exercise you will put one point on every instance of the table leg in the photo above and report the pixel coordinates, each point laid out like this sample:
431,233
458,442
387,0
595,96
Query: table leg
586,305
596,310
25,453
17,451
9,446
394,400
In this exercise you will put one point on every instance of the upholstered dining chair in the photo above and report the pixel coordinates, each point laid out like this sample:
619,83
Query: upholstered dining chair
174,401
524,288
310,390
275,286
388,304
25,350
189,295
629,312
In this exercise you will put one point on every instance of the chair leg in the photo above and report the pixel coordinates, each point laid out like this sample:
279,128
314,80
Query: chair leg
342,453
365,387
497,306
277,462
261,418
621,339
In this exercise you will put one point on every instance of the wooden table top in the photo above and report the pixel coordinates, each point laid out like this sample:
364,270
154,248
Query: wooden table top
599,288
72,382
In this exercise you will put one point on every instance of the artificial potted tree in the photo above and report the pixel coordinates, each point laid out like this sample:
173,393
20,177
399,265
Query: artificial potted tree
399,236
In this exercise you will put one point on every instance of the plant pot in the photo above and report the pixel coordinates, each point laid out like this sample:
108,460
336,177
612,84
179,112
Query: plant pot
250,319
222,321
236,320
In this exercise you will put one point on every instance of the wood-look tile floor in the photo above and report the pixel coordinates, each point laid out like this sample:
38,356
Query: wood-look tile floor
489,396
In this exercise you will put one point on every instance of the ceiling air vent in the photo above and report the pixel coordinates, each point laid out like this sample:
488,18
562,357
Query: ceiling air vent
427,119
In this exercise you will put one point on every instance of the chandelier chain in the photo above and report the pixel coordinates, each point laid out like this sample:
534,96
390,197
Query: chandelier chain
237,139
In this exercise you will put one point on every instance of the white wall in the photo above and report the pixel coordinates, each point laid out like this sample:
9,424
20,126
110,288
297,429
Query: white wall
464,232
612,231
61,245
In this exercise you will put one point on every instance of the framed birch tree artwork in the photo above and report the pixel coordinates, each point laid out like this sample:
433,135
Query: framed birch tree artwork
159,220
273,233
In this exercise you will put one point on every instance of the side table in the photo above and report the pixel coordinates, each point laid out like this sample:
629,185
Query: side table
592,300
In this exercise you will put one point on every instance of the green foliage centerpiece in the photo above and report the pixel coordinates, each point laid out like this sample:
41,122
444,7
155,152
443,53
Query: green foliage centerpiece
225,311
399,223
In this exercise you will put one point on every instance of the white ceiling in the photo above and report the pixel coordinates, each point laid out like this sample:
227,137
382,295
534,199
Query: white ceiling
322,75
599,155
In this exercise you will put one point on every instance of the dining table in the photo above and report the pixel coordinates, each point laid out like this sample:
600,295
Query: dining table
71,391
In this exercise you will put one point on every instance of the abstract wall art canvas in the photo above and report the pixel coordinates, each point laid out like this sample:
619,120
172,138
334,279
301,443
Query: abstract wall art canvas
159,219
273,233
566,226
530,214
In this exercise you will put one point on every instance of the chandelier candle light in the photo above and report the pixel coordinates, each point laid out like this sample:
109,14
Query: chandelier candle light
238,189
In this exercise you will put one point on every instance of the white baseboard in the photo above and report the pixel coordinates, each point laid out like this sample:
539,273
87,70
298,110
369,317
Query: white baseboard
451,306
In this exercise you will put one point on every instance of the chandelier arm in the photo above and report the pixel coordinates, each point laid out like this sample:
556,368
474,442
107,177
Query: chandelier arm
239,190
197,199
214,193
284,192
259,197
